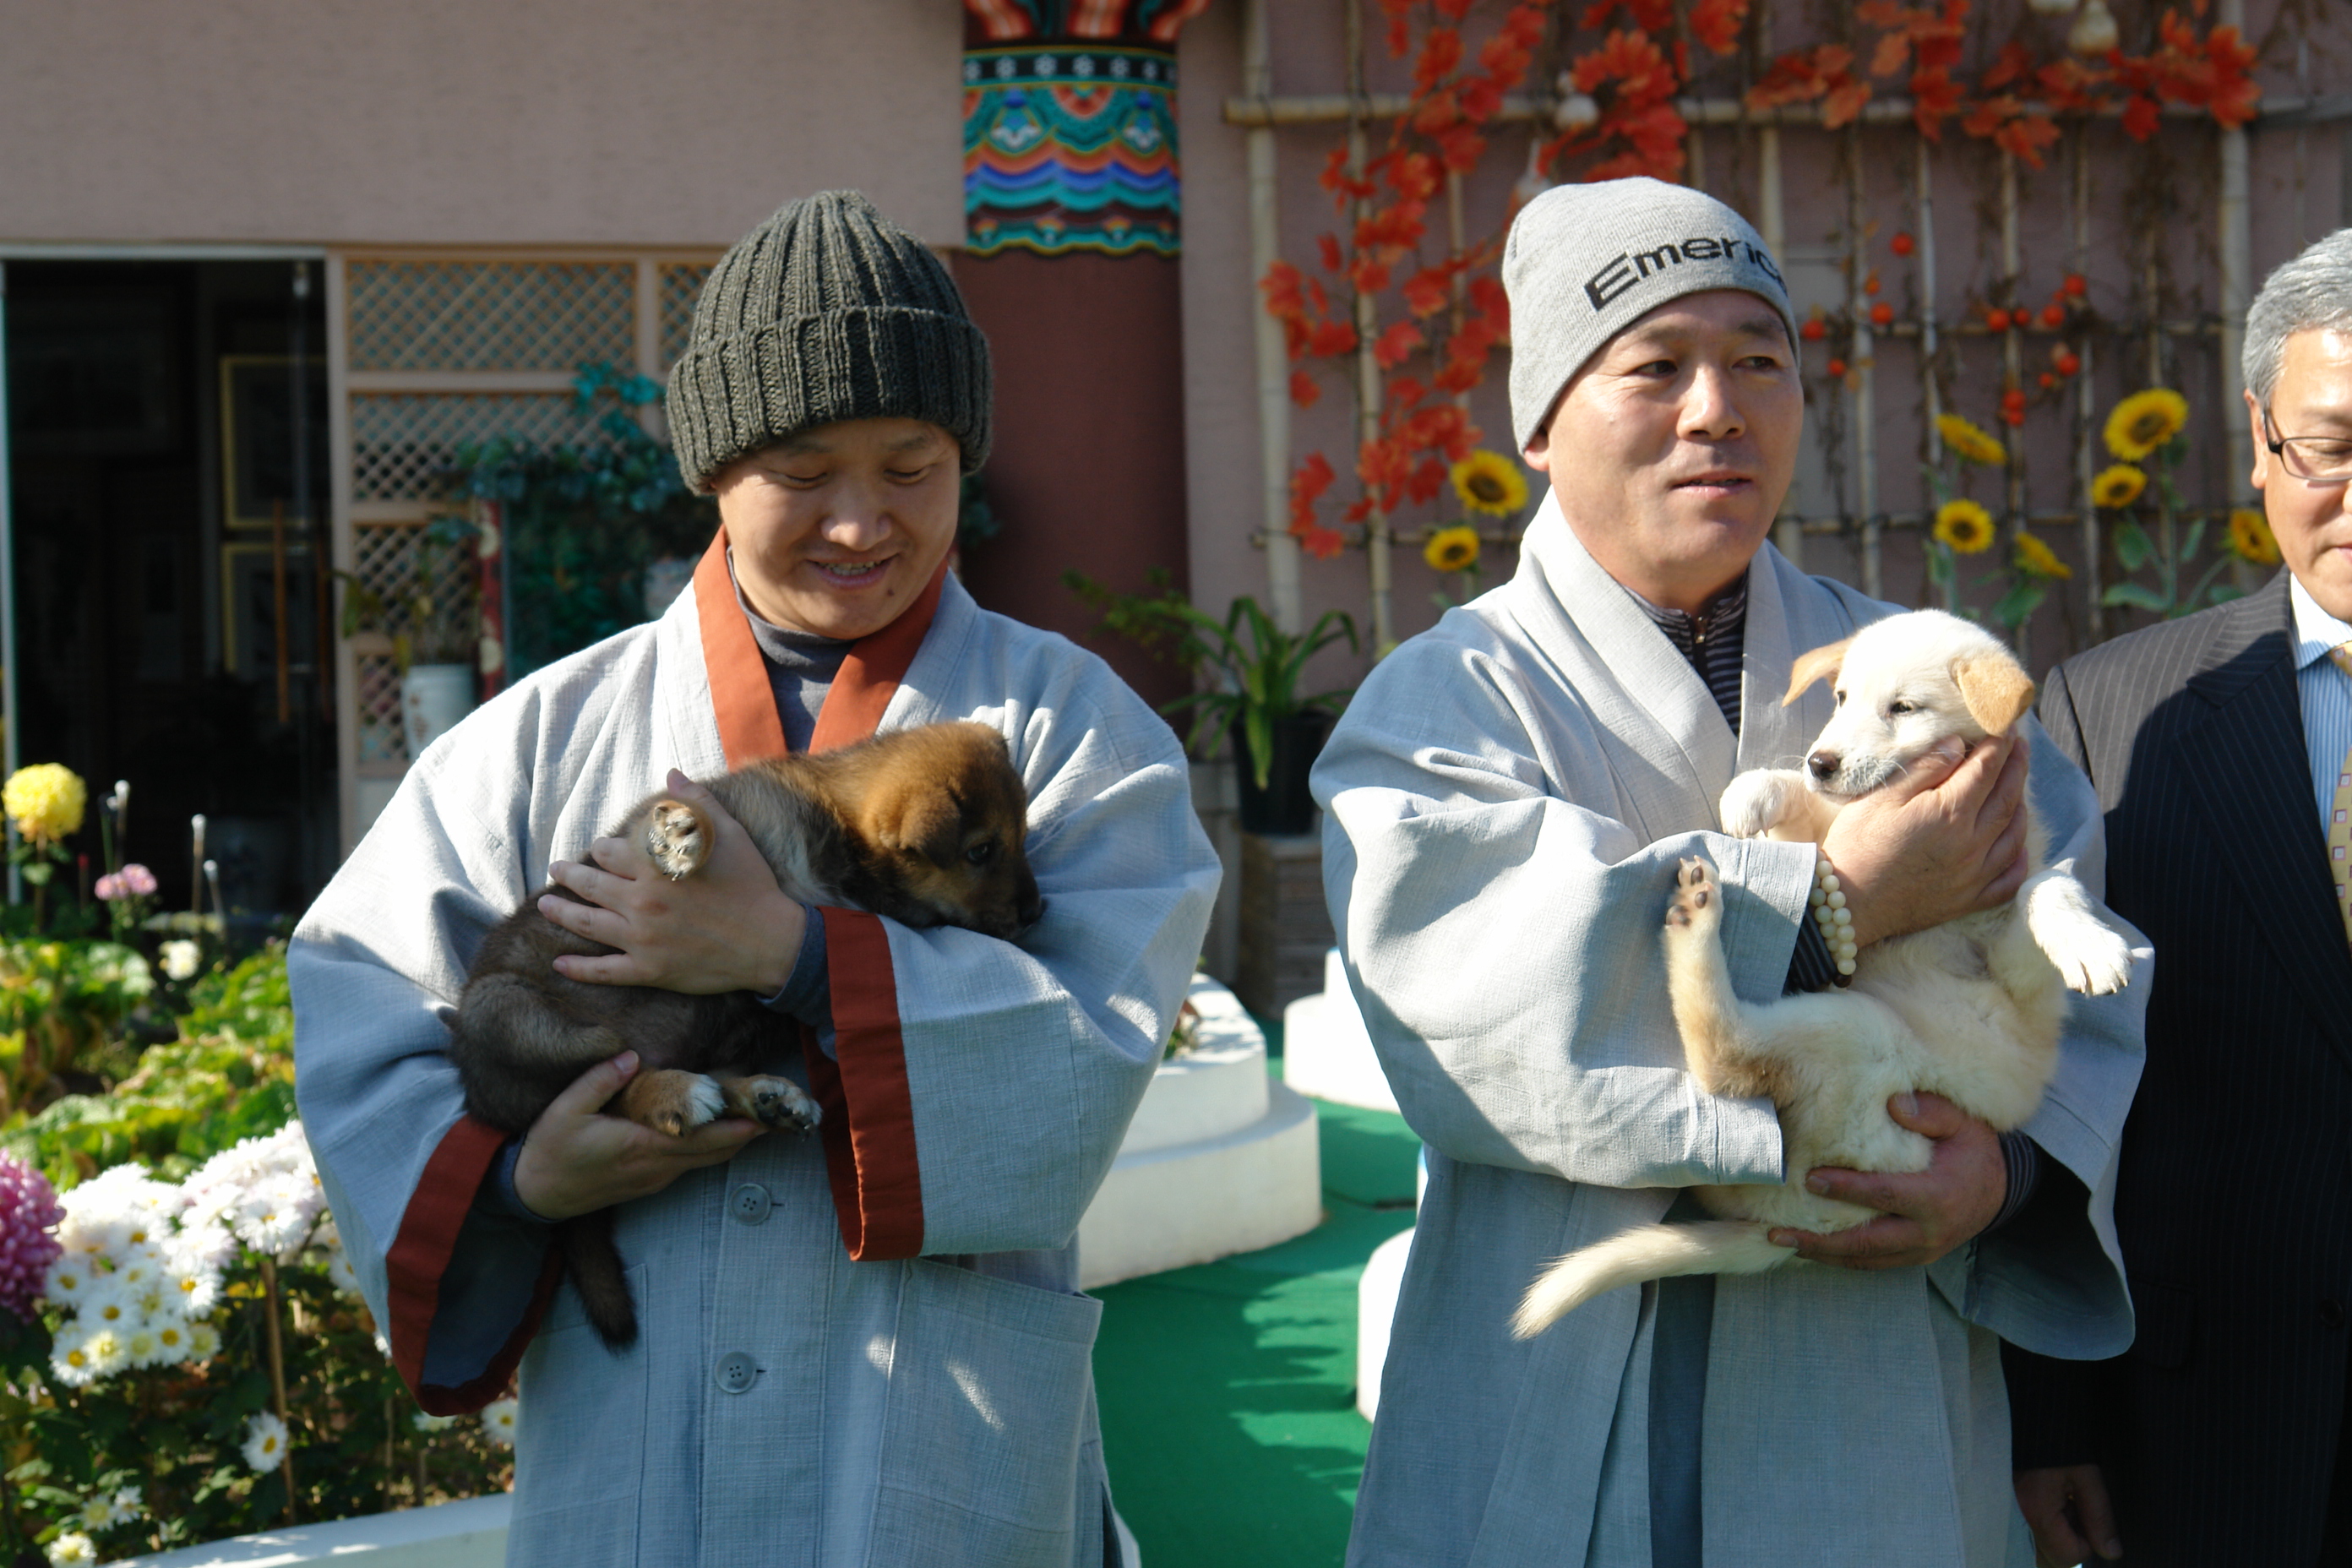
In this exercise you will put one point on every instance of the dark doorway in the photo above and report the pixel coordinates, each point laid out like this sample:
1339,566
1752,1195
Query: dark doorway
169,618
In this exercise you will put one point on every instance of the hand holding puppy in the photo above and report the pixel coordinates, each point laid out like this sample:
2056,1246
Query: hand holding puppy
1945,840
1921,1215
576,1161
728,928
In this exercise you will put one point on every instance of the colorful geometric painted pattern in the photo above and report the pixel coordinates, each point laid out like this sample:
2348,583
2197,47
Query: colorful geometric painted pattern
1069,147
1147,21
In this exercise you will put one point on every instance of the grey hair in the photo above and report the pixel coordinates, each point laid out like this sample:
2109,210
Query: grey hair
2311,293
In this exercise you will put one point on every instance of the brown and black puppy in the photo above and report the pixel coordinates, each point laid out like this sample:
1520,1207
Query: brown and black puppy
924,825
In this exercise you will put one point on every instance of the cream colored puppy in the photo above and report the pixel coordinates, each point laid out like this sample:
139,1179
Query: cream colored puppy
1970,1009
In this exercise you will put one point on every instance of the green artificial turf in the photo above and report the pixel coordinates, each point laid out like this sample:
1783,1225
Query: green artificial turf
1228,1391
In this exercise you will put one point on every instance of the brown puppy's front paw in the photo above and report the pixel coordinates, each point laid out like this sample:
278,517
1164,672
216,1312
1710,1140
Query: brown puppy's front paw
671,1101
677,838
773,1101
1696,902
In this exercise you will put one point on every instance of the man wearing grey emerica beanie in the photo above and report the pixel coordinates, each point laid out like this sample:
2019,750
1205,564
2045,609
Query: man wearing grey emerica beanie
1510,797
866,1344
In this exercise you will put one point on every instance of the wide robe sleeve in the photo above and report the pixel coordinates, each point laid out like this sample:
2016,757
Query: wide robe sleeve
1498,901
984,1087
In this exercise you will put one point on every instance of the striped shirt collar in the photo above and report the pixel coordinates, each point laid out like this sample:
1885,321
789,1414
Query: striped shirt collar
2316,631
1719,619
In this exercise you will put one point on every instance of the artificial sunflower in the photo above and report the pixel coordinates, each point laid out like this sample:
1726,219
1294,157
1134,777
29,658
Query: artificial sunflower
45,800
1488,481
2145,421
2119,485
2250,537
1976,446
1452,549
1964,526
2033,556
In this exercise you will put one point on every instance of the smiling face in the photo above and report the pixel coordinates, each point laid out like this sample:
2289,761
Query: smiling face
838,529
2311,397
1671,450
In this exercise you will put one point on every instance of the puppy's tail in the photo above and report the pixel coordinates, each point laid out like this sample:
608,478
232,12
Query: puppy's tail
594,1264
1645,1252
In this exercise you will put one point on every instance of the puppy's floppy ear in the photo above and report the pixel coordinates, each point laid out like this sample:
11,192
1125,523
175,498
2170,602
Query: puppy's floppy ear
1996,689
931,824
1811,667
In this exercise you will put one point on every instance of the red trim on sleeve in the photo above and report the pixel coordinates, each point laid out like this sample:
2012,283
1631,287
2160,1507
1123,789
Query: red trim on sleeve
741,695
420,1255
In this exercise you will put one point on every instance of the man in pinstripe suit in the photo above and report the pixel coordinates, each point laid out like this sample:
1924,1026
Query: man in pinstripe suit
2221,749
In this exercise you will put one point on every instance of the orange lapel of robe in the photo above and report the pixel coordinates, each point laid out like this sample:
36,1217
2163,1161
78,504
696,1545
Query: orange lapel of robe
869,1111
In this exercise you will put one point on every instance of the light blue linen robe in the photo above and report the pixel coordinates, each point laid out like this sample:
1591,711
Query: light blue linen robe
1507,797
934,1409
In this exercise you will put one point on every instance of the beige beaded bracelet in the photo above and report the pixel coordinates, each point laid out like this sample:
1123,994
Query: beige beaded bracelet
1835,919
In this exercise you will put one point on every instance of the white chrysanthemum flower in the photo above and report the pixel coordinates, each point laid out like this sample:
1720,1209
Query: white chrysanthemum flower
498,1418
207,1245
139,1345
173,1341
203,1341
191,1292
107,1305
264,1443
138,1269
106,1352
424,1423
181,956
70,1358
129,1506
70,1280
71,1550
100,1513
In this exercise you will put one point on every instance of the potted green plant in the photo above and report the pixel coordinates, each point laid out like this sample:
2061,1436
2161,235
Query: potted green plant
434,625
1253,668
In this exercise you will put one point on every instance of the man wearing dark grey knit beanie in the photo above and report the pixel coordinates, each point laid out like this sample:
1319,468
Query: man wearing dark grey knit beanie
1508,799
865,1345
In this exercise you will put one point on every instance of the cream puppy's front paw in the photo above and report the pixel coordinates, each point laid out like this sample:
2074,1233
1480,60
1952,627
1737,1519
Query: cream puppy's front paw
1758,800
677,838
2091,957
1697,908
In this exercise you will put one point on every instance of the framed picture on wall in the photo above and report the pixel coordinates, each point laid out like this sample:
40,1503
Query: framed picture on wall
256,402
250,609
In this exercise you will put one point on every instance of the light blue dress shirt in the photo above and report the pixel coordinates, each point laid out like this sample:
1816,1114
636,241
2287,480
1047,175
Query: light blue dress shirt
2326,692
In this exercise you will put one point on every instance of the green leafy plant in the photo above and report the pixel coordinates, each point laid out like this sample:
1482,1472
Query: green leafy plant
1253,664
63,1006
435,616
583,519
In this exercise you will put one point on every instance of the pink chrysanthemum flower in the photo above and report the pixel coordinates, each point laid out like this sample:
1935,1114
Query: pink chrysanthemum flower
29,1213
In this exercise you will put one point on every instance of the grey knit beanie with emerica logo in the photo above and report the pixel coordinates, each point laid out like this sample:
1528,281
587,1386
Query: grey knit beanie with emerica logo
1585,262
827,312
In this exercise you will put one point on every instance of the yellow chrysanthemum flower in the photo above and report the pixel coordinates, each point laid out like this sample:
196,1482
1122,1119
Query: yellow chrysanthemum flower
2119,485
2033,556
1964,526
45,800
2250,537
1452,549
2145,421
1490,482
1976,446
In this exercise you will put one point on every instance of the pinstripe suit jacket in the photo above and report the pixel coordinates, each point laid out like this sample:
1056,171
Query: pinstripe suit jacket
2234,1202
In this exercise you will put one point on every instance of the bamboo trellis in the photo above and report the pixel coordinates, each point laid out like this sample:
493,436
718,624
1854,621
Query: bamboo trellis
1859,518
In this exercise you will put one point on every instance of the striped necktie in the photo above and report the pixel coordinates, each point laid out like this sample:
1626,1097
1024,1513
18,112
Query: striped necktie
2339,817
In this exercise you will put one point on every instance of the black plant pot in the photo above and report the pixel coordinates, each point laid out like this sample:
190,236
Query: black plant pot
1283,806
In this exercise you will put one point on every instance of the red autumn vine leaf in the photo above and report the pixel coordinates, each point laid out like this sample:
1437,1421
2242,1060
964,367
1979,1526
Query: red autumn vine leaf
1327,247
1304,390
1842,105
1328,339
1440,56
1631,60
1716,24
1368,274
1427,290
1392,348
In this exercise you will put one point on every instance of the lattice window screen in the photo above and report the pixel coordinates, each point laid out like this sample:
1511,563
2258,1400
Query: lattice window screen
681,282
491,315
403,443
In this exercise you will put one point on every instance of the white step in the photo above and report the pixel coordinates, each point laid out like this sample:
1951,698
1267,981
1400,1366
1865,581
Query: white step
1326,1050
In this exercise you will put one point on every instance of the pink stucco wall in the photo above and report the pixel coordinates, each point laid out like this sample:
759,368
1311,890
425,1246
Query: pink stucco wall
471,121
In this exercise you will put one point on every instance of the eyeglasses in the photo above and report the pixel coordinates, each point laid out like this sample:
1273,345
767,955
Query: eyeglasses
2321,459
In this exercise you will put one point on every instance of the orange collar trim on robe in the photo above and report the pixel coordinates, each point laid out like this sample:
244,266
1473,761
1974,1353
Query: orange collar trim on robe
869,1110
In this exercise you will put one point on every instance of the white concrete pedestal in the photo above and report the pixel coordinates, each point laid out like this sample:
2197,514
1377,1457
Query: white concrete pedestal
1326,1051
1376,1299
1219,1159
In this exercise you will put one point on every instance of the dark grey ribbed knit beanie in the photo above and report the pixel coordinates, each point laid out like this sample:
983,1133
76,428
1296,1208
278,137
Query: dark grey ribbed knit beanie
828,310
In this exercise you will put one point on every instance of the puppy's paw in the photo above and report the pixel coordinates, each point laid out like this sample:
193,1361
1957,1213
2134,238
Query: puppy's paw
773,1101
671,1101
2092,960
1697,905
677,838
1757,801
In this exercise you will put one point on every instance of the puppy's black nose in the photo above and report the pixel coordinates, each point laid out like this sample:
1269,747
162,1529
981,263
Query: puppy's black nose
1824,764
